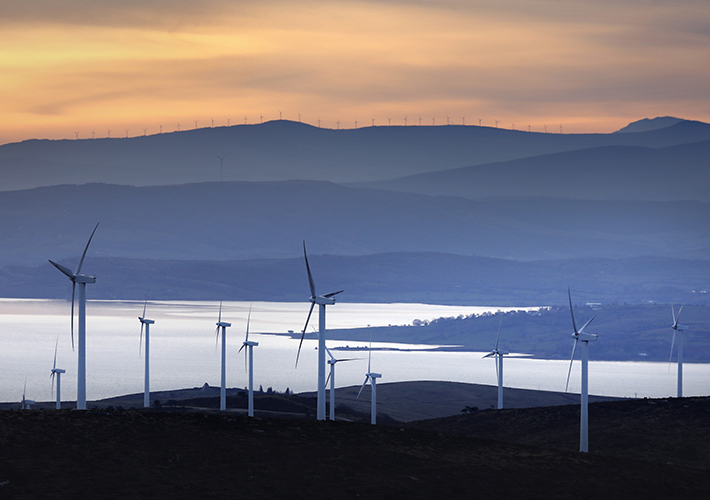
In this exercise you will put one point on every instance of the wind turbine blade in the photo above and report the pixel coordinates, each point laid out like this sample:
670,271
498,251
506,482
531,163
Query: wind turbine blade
331,354
571,360
574,324
216,337
327,379
140,344
248,320
497,369
498,335
56,346
670,358
63,269
52,383
585,325
81,262
303,334
369,355
677,318
220,312
328,295
73,290
145,305
363,386
308,269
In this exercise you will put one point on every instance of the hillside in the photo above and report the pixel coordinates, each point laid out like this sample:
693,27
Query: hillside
243,220
433,278
283,150
149,454
678,172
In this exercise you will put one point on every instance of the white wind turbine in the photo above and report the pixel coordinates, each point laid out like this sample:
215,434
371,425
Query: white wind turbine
331,377
82,280
146,323
223,387
26,404
322,301
579,335
498,355
372,377
250,349
678,330
57,372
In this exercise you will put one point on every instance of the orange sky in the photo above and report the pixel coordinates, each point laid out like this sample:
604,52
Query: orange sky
590,66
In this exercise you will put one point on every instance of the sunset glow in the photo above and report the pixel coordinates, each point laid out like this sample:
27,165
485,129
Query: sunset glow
588,66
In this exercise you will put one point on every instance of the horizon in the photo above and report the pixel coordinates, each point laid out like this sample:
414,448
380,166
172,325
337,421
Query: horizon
591,67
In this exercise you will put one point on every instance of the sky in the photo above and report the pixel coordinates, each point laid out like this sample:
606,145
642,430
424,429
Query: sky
81,68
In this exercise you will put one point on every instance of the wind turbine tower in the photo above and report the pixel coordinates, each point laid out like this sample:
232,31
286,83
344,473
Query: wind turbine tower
498,354
585,338
82,280
322,301
372,378
57,376
223,387
678,330
146,386
250,352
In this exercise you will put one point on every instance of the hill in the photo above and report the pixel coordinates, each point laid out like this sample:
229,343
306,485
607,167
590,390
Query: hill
150,454
671,173
284,150
244,220
432,278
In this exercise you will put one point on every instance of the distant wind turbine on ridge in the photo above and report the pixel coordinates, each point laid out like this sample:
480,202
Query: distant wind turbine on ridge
322,301
585,338
145,322
82,280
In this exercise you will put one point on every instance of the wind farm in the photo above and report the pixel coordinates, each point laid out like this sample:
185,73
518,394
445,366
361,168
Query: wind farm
436,363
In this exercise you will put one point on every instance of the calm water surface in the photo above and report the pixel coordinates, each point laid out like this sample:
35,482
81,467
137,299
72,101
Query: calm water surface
184,352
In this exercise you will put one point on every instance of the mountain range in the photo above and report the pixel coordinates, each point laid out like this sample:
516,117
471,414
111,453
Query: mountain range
409,213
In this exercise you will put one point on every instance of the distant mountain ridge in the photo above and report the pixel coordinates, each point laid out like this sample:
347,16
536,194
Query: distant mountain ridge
256,220
647,124
678,172
285,150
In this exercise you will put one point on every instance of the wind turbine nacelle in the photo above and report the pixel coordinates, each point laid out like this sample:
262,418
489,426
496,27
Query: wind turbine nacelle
223,324
325,301
374,375
58,370
587,337
146,321
251,343
82,278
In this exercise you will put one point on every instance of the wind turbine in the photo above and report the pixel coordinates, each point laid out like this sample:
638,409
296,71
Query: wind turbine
498,355
677,330
223,387
127,132
579,335
26,404
322,301
76,136
221,162
331,377
146,322
82,280
250,349
372,377
57,372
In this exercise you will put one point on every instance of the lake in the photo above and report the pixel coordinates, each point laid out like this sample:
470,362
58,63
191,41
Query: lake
184,352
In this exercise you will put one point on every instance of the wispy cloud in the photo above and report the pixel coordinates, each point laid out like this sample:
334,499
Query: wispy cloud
590,64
